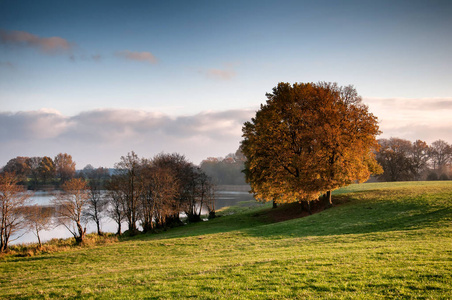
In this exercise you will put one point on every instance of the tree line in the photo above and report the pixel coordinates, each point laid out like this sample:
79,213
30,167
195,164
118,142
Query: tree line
226,170
37,172
403,160
146,194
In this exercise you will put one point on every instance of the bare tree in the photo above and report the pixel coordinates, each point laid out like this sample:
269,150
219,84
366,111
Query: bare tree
39,218
395,158
159,195
116,199
13,199
97,203
440,154
419,158
71,205
129,169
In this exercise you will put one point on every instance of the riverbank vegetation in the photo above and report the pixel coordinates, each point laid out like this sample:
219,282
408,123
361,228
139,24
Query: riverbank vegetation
380,240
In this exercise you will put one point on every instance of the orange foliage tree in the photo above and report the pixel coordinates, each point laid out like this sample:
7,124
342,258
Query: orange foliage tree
307,140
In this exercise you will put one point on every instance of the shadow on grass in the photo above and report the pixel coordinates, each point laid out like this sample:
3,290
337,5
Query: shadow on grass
371,215
361,212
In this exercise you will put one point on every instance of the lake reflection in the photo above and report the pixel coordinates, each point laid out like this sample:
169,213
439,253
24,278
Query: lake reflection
225,196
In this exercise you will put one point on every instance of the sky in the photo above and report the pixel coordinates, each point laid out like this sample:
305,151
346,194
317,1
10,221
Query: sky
98,79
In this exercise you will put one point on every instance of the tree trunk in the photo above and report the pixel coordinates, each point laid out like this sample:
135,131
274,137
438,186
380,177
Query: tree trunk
308,204
81,233
275,205
39,240
328,197
119,229
99,232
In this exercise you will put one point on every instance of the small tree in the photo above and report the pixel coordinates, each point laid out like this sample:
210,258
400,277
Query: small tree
13,199
71,205
128,183
64,166
39,218
46,169
440,154
116,200
19,167
97,203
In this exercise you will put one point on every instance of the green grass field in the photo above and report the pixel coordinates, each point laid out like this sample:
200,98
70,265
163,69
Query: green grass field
383,240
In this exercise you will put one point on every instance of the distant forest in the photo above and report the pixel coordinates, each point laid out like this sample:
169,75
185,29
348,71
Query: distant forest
402,160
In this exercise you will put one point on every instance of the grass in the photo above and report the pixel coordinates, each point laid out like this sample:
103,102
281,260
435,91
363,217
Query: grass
384,240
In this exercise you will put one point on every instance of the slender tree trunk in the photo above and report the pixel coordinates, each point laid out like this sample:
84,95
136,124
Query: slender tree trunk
119,229
328,197
275,205
39,242
99,232
81,233
308,204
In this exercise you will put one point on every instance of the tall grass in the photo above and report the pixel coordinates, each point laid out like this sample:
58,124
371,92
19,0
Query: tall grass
381,241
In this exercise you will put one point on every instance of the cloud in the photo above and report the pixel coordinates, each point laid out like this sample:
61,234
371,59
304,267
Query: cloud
427,119
413,103
83,57
138,56
48,45
100,137
220,74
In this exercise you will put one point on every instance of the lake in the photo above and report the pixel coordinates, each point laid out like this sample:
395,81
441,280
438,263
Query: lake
224,196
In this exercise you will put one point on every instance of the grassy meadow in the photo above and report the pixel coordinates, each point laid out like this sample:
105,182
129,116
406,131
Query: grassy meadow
381,240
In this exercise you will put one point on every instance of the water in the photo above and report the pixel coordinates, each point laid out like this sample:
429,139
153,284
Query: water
228,196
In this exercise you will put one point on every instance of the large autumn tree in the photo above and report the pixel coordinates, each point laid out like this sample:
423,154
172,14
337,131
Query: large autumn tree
307,140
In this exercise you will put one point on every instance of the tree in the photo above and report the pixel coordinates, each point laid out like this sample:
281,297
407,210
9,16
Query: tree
64,166
116,201
19,167
13,199
128,170
70,206
396,159
97,203
160,192
226,170
440,154
309,139
39,218
46,169
33,165
419,157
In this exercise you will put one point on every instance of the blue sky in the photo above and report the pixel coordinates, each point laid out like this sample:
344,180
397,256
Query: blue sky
97,79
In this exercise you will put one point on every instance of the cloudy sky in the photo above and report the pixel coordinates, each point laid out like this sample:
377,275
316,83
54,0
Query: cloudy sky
97,79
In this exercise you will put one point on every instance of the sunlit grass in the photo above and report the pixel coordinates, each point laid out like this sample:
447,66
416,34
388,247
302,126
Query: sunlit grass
381,241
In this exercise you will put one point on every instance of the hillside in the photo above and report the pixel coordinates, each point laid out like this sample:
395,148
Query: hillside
381,241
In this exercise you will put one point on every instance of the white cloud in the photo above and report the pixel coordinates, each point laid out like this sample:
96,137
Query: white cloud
427,119
100,137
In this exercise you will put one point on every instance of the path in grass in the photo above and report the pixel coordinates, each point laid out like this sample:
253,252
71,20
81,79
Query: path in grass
384,240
